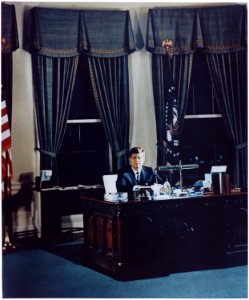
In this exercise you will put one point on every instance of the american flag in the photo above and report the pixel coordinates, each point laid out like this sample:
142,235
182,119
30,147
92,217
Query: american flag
6,153
171,117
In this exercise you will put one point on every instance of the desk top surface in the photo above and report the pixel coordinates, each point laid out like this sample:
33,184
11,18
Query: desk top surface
97,195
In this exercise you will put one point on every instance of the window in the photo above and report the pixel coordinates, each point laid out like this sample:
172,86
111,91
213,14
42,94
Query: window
204,139
84,155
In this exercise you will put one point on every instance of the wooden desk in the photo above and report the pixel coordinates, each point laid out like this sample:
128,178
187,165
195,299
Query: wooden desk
55,204
164,235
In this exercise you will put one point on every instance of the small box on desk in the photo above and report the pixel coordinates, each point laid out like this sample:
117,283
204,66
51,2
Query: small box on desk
220,180
220,183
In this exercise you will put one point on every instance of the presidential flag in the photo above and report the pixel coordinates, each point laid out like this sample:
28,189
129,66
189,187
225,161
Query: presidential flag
171,117
6,153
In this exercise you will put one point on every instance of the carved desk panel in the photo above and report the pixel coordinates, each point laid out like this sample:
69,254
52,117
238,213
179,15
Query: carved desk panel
178,233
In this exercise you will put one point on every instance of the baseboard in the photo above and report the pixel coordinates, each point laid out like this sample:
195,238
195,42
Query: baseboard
25,234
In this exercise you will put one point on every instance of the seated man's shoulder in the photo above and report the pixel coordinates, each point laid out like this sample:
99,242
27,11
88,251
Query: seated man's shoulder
124,170
148,169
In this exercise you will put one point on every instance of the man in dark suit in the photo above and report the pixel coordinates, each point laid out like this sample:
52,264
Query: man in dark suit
136,173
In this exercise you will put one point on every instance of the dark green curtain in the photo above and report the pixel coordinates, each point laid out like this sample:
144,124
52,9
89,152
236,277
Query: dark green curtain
54,80
225,44
54,46
180,30
181,68
6,69
107,38
110,85
6,94
229,75
9,43
221,32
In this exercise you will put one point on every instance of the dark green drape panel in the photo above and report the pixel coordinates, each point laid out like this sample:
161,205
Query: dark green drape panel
108,39
54,46
229,75
9,43
9,32
6,94
180,30
96,33
54,80
181,67
111,90
224,35
221,32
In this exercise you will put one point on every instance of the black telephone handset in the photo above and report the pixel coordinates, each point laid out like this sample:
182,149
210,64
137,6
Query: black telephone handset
145,194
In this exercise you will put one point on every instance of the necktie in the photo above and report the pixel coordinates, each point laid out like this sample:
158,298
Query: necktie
137,177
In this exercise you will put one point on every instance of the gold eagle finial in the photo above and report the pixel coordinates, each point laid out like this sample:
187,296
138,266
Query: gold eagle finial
167,44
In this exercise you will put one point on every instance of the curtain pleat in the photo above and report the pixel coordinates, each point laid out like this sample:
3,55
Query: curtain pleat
110,86
54,80
6,69
229,75
181,68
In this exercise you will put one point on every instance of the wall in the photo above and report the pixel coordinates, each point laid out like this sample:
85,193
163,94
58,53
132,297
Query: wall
143,130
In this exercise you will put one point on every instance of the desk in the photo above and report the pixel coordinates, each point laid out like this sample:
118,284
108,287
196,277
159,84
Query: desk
56,203
166,235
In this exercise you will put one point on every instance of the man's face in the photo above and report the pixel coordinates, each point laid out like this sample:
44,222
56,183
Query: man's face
136,160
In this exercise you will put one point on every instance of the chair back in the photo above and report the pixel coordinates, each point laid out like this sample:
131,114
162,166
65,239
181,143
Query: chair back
110,183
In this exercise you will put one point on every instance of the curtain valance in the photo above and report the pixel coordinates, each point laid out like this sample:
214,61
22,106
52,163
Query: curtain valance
178,26
107,33
215,29
9,33
55,32
223,28
65,33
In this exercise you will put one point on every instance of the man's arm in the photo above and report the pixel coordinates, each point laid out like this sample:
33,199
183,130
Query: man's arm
122,183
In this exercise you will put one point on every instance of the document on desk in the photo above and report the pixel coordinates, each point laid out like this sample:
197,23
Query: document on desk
54,188
162,197
72,188
81,187
93,186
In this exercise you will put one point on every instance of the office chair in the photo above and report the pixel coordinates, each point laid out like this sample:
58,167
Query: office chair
110,183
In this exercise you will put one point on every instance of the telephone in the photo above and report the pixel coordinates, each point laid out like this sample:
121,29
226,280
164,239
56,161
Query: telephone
143,193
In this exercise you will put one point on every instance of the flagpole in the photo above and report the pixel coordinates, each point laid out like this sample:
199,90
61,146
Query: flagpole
6,176
171,110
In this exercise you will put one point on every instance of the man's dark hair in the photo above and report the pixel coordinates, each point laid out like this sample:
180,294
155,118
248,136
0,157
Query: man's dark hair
136,150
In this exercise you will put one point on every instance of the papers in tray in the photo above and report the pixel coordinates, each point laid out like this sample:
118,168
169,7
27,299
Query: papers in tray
116,197
93,186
